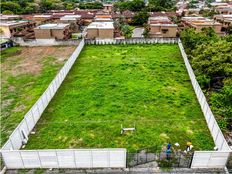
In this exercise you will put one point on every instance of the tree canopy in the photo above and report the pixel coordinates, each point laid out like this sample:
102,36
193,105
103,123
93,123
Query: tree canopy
33,6
211,59
135,5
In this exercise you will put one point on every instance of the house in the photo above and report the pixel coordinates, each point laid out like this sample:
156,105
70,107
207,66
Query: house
201,22
126,15
73,20
42,18
103,18
70,19
9,17
87,16
100,30
225,20
224,10
161,26
108,7
52,31
20,28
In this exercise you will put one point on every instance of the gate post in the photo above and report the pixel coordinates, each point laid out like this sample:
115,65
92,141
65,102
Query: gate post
191,160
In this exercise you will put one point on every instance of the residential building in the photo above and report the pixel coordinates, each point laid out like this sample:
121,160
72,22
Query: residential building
21,28
52,31
87,16
103,18
162,26
224,10
201,22
42,18
70,19
100,30
9,17
225,20
108,7
126,15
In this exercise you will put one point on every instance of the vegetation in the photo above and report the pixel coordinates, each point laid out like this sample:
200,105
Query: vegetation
208,13
33,6
161,5
91,5
135,5
125,29
140,18
124,84
211,58
25,74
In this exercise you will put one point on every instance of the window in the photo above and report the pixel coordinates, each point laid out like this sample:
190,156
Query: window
164,31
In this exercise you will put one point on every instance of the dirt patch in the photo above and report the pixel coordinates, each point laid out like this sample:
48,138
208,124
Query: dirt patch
19,108
29,60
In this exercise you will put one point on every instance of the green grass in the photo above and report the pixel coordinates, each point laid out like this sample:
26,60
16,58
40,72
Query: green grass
19,91
112,85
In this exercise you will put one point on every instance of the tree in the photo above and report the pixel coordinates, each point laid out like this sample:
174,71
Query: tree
140,18
91,5
191,38
7,12
213,59
135,5
11,6
160,5
146,30
126,31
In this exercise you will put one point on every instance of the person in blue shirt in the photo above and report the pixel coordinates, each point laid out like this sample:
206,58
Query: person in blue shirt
169,146
168,154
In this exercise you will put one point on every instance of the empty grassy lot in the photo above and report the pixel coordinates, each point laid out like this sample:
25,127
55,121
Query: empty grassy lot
125,84
25,74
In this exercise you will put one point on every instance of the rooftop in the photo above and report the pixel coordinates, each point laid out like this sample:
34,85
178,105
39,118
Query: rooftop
42,16
101,25
52,26
8,17
12,23
70,17
160,21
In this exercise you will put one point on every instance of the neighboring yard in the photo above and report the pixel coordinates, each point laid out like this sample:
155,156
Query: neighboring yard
25,74
125,84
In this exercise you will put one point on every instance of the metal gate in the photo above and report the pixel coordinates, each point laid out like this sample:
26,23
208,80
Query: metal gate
154,158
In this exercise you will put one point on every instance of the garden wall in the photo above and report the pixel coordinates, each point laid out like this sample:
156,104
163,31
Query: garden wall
43,42
66,158
131,41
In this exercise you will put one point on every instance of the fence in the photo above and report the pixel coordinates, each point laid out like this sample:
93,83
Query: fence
207,159
210,159
177,159
67,158
131,41
20,134
43,42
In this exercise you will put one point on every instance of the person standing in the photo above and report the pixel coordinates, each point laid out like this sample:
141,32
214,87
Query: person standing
189,144
169,146
168,154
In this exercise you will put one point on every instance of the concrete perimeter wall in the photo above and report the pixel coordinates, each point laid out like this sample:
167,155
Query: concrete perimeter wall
44,42
65,158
